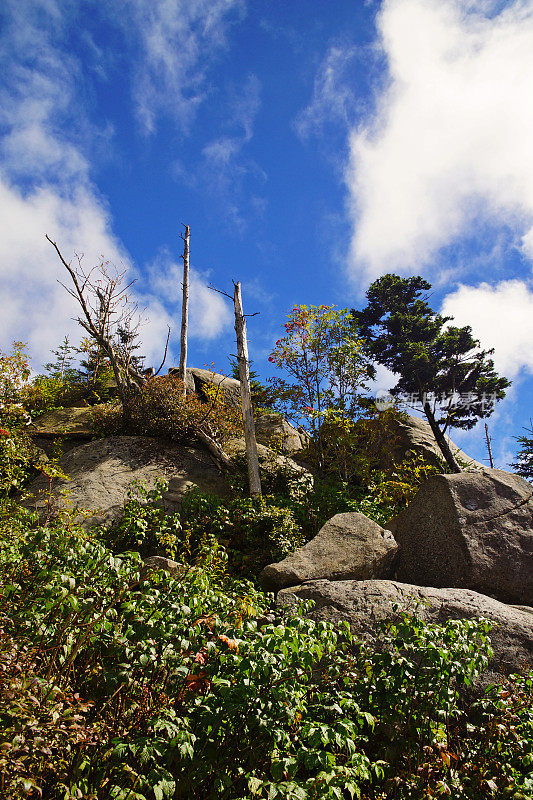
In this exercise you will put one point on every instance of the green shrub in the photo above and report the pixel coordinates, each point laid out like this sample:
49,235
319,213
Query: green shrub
196,687
254,532
18,455
19,458
494,746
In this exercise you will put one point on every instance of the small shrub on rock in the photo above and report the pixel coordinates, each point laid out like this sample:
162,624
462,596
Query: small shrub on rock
161,410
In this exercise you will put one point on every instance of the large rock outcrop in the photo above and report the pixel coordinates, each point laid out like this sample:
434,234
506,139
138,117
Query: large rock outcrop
204,381
365,604
101,472
415,435
348,546
75,421
72,426
273,430
469,530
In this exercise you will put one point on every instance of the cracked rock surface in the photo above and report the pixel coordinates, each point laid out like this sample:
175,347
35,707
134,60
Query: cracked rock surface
469,530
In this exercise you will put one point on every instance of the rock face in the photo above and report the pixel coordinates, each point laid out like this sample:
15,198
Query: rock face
270,462
229,388
273,430
364,604
348,546
102,470
415,434
76,421
469,530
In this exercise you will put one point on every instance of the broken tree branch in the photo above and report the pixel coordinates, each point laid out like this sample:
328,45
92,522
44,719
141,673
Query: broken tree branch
165,353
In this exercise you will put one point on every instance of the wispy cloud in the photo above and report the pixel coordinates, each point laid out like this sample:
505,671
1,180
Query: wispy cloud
333,100
44,178
450,143
225,165
178,42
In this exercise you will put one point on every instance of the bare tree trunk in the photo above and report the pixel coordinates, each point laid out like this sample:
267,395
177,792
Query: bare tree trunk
489,447
440,439
246,396
184,310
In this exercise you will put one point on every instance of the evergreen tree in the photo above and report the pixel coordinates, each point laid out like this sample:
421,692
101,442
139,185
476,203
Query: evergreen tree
262,396
524,459
439,364
62,368
127,345
93,360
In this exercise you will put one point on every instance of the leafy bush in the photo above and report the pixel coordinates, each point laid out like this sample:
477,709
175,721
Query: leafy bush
18,459
494,749
254,532
183,688
18,456
48,392
161,410
195,687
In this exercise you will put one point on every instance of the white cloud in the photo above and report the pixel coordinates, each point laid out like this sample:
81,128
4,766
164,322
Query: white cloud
333,100
450,143
500,316
45,187
35,308
384,381
209,313
179,40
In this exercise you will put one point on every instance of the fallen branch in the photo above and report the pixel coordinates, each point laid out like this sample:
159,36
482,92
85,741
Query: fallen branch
216,450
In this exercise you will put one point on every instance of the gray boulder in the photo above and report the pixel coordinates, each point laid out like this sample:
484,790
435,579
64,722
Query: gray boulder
348,546
365,604
469,530
101,472
161,564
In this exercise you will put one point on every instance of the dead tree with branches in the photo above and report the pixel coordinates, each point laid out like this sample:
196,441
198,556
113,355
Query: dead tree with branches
109,317
112,320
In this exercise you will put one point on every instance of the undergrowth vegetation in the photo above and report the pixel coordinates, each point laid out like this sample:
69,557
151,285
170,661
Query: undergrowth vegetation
254,532
113,686
117,683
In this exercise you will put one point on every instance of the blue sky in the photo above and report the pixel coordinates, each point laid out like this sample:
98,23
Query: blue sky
310,145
